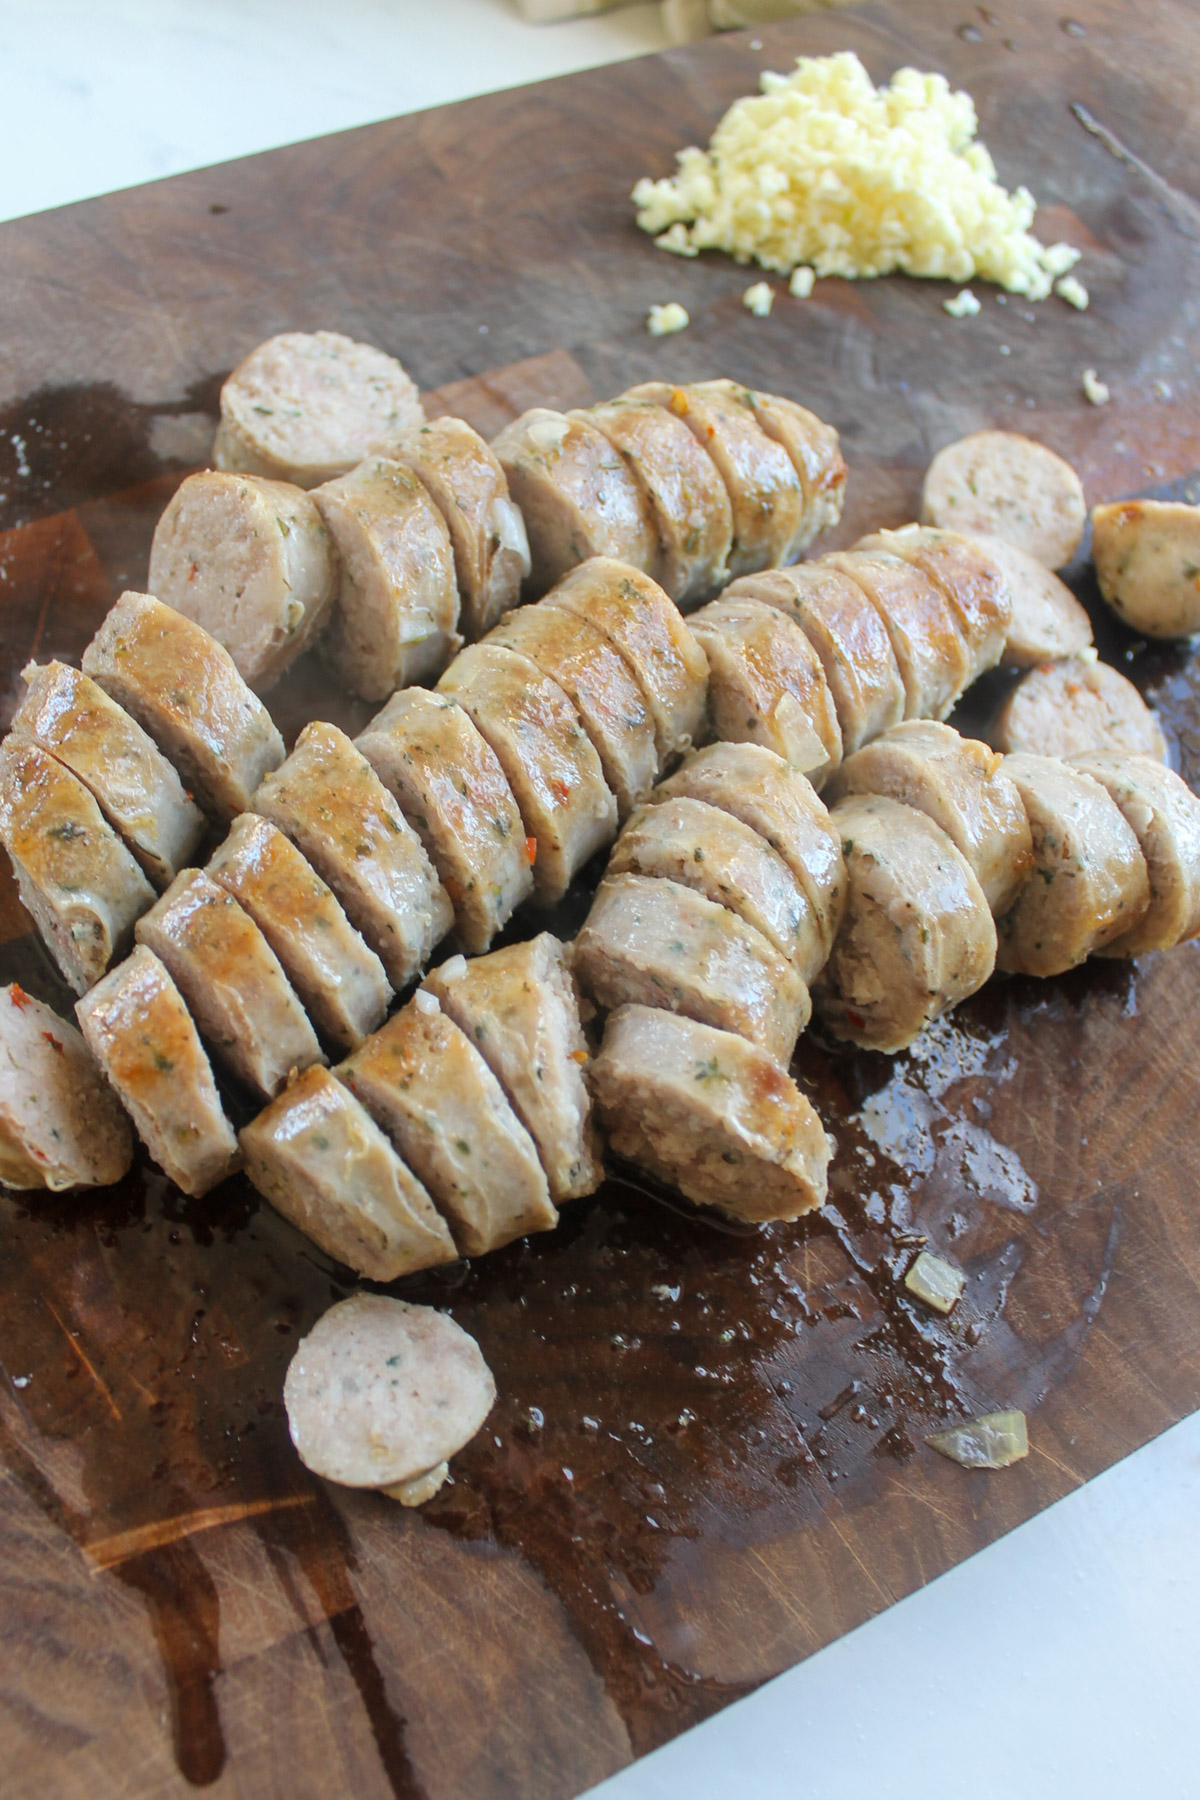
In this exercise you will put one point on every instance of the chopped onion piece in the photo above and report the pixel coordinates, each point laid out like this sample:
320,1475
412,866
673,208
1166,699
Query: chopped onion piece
939,1284
990,1442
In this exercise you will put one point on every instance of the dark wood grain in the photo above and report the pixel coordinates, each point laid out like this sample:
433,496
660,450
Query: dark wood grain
708,1456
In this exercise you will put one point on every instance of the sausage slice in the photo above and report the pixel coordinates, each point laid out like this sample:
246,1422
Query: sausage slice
815,452
917,936
1090,884
318,1156
578,496
306,406
927,641
424,1083
60,1123
185,690
1068,708
329,801
465,481
710,1114
520,1008
655,942
68,715
250,560
396,617
546,755
1000,484
1047,621
766,684
75,877
381,1394
1147,556
454,793
643,624
1164,815
975,587
959,784
140,1032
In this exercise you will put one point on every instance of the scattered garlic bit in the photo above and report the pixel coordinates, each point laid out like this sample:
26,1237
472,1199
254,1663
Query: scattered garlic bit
662,320
676,240
426,1002
963,305
801,284
1095,389
823,168
1162,389
759,299
990,1442
939,1284
454,968
1073,292
420,1488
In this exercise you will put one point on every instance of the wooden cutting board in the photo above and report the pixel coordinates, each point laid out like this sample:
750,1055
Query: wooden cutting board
708,1456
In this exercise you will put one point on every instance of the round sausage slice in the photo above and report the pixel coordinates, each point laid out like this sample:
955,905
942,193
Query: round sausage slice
381,1394
1089,884
959,784
61,1125
816,456
766,685
917,936
927,640
1000,484
709,1114
1047,621
317,1155
250,560
975,587
307,406
655,942
577,495
1147,556
1164,815
140,1032
1068,708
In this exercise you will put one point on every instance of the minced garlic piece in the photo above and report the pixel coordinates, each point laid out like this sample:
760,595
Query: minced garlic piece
963,306
801,284
662,320
823,168
935,1281
1073,292
1095,389
759,299
677,242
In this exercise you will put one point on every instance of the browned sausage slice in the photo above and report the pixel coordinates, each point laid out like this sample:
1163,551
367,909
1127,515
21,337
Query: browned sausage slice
1068,708
927,640
1000,484
766,685
1147,556
1047,621
61,1125
975,587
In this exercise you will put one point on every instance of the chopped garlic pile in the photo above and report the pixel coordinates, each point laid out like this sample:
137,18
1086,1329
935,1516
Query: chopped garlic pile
824,169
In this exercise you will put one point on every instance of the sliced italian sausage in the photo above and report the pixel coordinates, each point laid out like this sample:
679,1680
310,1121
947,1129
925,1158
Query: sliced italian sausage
765,495
655,942
815,453
184,689
848,635
1000,484
396,618
340,982
466,483
67,714
1147,556
691,507
917,936
766,685
958,783
705,848
140,1032
1068,708
546,755
329,801
577,495
1090,884
60,1123
974,585
381,1394
600,685
424,1083
779,803
520,1008
930,650
1164,815
710,1114
643,624
307,406
318,1156
232,980
252,561
454,793
1047,621
75,877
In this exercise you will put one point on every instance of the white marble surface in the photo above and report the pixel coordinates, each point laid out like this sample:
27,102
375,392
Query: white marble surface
1062,1660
